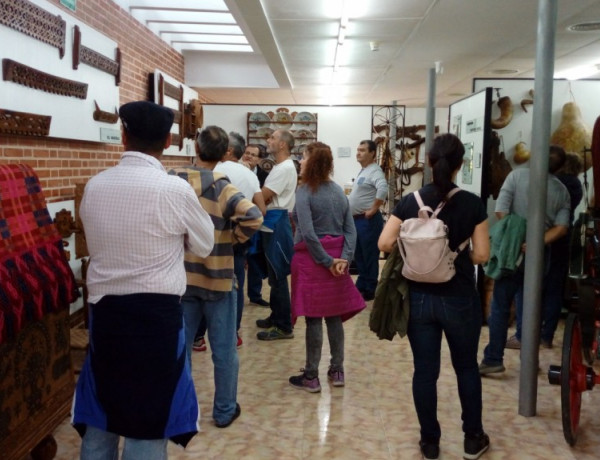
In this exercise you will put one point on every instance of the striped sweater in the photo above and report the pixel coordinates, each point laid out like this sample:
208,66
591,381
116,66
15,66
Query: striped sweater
235,219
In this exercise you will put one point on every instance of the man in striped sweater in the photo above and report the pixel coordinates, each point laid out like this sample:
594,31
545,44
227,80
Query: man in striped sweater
210,291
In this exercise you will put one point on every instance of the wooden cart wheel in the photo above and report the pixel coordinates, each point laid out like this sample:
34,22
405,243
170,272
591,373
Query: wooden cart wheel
586,312
571,378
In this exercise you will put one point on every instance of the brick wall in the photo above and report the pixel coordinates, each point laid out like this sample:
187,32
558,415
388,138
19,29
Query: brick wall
62,163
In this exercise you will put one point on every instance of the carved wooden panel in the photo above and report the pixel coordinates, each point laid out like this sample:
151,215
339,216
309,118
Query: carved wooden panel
175,92
92,58
25,124
28,76
104,116
30,19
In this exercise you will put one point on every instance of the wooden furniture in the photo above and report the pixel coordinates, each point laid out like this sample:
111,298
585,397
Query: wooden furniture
36,288
36,387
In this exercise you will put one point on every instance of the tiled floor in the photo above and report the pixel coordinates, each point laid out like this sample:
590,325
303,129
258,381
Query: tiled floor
373,416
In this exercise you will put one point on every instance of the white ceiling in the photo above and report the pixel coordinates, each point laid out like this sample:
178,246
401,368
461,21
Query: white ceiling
290,47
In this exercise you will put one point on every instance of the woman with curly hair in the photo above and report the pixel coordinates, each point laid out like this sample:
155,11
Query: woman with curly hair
325,239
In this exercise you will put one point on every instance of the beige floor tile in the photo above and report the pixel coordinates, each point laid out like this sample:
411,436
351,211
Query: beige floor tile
373,416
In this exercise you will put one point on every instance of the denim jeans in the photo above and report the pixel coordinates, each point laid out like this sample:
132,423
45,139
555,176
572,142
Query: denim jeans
554,288
239,260
459,318
256,263
366,254
505,290
314,344
281,306
98,444
220,318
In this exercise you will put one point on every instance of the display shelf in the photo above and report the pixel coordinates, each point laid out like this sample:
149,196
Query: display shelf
302,125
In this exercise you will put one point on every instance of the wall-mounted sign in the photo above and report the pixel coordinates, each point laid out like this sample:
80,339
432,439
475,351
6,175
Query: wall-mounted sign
110,135
71,4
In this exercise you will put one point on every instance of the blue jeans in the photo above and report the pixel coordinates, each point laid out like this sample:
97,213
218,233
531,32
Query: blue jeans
256,263
281,306
239,260
459,318
220,318
366,254
505,290
98,444
551,295
554,288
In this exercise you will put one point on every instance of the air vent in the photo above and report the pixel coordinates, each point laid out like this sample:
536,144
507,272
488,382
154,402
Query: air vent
585,27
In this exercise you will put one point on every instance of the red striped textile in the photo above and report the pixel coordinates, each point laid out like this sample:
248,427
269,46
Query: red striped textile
35,277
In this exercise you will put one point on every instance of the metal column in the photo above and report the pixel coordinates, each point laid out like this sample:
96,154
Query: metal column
538,185
429,125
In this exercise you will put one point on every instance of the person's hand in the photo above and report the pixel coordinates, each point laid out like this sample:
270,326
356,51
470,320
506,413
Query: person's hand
370,213
338,267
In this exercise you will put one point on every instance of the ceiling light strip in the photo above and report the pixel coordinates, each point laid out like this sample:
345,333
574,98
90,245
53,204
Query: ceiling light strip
161,21
184,10
208,43
241,34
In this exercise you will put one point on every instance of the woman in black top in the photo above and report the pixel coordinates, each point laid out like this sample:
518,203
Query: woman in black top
452,307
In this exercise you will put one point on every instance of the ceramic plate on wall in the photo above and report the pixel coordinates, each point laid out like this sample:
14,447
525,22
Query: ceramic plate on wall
304,134
264,133
258,120
282,120
305,120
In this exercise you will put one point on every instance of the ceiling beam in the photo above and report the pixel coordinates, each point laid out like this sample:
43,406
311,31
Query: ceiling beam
251,17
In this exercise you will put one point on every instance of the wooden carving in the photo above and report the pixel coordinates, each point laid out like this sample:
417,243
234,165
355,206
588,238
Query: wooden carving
25,124
105,117
33,78
92,58
193,118
175,92
32,20
499,165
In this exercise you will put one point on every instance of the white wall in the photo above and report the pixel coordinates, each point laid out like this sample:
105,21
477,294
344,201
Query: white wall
338,126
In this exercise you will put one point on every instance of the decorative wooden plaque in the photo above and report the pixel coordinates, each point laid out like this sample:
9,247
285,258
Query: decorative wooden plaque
25,124
30,19
92,58
28,76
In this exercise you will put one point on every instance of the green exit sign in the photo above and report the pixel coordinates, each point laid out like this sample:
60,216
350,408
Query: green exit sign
71,4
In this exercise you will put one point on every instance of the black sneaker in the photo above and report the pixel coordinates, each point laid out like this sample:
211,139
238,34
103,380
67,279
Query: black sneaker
475,446
236,414
429,450
264,323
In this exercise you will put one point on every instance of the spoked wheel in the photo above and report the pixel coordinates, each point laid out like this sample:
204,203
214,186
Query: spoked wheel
572,379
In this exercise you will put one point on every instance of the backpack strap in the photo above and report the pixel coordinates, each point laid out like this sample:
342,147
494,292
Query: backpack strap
419,199
449,195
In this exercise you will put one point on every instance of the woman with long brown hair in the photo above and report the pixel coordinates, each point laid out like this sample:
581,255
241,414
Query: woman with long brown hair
325,239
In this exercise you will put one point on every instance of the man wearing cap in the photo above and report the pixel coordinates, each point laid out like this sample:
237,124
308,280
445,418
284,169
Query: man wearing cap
138,220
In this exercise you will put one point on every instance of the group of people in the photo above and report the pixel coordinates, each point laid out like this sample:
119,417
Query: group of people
168,251
168,256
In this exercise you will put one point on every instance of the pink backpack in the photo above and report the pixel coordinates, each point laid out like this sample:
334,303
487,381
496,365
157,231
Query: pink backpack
424,246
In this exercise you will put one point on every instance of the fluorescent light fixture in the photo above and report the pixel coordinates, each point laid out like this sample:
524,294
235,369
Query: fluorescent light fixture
336,59
576,73
341,35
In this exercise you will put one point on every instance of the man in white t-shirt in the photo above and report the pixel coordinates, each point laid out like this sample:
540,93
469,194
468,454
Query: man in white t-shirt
279,193
247,183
